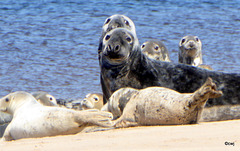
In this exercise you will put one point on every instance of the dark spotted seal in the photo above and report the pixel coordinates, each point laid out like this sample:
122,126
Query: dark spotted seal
163,106
123,64
115,21
155,49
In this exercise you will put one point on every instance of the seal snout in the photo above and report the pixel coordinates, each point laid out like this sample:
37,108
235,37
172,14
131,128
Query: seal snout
113,49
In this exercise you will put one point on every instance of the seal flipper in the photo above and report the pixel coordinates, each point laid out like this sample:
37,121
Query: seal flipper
91,117
206,91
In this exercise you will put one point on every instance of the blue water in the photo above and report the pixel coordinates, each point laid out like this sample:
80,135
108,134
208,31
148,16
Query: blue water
51,45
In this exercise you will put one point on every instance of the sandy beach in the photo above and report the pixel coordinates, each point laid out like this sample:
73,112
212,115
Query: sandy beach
223,135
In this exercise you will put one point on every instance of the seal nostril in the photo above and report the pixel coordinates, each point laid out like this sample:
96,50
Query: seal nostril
117,48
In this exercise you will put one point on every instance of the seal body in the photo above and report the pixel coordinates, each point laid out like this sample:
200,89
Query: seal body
92,101
163,106
118,101
45,98
32,119
155,49
124,65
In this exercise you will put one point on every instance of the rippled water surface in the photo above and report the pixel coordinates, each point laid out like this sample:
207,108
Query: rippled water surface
51,45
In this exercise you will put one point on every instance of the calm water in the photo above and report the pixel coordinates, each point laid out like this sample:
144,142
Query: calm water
51,45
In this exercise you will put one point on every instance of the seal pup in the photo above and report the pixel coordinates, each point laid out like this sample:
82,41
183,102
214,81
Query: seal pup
155,49
115,21
124,65
45,98
92,101
31,119
163,106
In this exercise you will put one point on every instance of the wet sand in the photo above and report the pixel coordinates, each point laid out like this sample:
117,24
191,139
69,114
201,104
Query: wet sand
223,135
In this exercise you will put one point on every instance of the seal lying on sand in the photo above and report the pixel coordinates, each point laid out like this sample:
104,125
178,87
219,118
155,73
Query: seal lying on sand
163,106
155,49
190,52
124,65
45,98
92,101
31,119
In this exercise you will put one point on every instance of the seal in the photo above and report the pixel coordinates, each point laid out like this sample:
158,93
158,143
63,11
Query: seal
92,101
31,119
123,64
163,106
190,51
45,98
155,49
115,21
118,101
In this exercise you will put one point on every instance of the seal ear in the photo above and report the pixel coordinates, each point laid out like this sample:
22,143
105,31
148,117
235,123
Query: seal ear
7,100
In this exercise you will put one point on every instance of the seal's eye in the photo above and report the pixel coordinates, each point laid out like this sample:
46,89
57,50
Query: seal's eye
183,40
50,98
143,46
95,99
127,23
197,39
107,21
107,37
156,47
128,39
7,100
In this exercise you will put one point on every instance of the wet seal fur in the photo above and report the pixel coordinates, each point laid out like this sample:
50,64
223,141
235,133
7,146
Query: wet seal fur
31,119
124,65
156,49
190,52
163,106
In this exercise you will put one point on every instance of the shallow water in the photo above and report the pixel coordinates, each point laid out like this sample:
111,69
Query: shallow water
51,45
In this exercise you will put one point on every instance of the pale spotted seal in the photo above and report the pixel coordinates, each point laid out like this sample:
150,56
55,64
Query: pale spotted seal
190,52
124,65
31,119
118,101
155,49
92,101
45,98
163,106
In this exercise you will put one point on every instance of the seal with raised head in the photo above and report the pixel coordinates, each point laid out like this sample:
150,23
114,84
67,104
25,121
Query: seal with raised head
155,49
190,52
163,106
92,101
115,21
45,98
31,119
123,64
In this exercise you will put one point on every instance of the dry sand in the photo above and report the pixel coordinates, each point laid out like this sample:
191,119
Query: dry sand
203,136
